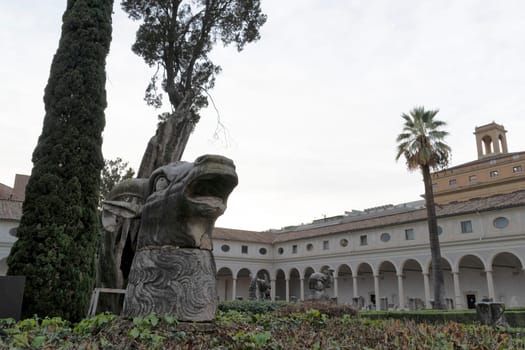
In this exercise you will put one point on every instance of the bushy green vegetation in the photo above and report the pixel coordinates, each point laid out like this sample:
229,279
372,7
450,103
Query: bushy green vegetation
232,329
253,306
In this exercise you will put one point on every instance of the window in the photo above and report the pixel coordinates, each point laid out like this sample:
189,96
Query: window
517,169
500,222
343,242
434,186
472,178
225,248
452,182
326,245
466,226
244,249
309,247
280,250
409,234
385,237
363,240
294,249
440,230
262,251
494,173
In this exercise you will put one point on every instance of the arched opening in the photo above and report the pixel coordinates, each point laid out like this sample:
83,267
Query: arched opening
280,285
263,274
224,284
413,284
502,143
448,278
388,297
244,277
472,281
344,284
306,287
487,144
509,279
366,297
295,285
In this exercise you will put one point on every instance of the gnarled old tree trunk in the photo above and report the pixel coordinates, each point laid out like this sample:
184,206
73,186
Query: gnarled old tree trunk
169,142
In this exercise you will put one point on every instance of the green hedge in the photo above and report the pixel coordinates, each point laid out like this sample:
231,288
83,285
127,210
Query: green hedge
252,306
515,317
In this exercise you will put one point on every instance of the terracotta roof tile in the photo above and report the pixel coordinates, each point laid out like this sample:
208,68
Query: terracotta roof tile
10,210
366,222
5,191
19,191
229,234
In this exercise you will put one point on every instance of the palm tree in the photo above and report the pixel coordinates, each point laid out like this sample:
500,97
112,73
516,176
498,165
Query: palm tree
422,145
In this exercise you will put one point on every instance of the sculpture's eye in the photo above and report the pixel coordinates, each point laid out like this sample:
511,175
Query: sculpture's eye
161,183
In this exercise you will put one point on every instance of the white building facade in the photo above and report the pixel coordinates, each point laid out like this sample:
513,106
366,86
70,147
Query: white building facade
381,257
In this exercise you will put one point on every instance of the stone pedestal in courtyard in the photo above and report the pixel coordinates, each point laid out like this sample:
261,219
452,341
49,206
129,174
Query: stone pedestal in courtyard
172,281
491,314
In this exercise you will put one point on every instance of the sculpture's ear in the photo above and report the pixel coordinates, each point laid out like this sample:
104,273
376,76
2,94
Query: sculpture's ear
112,210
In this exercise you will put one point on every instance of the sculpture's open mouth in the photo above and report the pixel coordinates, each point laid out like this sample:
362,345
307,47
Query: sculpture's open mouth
211,189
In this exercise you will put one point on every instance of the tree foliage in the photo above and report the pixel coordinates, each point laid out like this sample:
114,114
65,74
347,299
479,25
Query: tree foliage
176,37
114,171
422,144
59,227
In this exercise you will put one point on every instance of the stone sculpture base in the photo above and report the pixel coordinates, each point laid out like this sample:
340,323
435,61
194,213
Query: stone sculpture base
491,314
178,282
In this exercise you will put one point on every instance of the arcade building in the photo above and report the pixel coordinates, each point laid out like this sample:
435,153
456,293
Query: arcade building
381,256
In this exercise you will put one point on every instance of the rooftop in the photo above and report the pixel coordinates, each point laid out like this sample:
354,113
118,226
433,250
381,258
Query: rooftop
380,217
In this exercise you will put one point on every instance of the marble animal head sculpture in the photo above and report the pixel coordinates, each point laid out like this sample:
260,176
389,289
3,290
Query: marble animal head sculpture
177,208
177,205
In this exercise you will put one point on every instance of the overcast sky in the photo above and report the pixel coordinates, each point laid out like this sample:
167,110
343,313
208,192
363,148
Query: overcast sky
312,110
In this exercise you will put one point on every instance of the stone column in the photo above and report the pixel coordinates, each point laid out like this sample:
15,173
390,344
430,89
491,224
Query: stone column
272,292
457,291
400,291
376,291
287,289
490,285
301,297
426,283
354,287
234,289
335,287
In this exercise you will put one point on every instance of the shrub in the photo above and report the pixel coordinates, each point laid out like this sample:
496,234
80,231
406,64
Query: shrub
252,306
327,308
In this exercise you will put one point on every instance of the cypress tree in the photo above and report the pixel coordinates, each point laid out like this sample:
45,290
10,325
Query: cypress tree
58,232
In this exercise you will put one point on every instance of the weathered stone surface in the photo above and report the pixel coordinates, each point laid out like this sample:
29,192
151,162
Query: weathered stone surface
319,282
172,281
260,289
491,314
173,271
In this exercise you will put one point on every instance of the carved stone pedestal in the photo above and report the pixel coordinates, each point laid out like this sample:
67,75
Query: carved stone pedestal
491,314
179,282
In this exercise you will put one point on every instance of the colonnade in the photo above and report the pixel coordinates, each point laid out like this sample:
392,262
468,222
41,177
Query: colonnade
467,277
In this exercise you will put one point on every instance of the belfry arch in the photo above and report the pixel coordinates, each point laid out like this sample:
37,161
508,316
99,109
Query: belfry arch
491,140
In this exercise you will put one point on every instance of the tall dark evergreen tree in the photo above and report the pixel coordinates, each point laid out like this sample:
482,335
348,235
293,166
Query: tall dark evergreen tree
57,236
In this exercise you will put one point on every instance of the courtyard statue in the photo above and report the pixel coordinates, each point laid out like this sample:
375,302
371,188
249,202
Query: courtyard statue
260,288
319,282
173,269
491,313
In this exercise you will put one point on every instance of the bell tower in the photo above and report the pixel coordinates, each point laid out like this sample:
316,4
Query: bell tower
491,140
